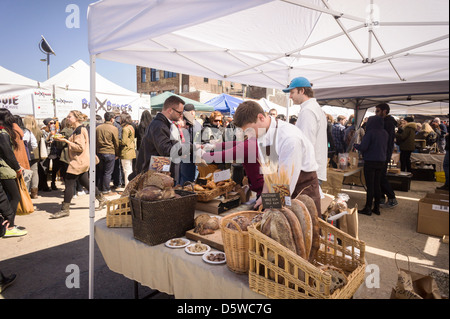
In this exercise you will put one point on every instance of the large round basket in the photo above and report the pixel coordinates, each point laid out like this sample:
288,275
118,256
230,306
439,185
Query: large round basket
235,242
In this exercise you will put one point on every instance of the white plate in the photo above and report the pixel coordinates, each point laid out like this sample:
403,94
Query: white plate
186,242
186,249
205,259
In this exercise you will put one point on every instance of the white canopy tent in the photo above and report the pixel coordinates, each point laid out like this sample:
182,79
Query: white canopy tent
72,92
21,95
335,43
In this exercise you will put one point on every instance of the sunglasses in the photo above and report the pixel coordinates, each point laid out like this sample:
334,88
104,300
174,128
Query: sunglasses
177,111
217,121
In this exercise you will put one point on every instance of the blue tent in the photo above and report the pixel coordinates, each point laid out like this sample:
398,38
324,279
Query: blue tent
225,103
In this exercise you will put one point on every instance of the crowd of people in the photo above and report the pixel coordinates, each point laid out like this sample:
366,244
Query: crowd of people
251,144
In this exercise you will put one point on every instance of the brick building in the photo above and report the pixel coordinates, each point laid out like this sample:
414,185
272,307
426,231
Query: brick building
153,82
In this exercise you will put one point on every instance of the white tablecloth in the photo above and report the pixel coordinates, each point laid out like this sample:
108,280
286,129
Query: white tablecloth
436,159
172,271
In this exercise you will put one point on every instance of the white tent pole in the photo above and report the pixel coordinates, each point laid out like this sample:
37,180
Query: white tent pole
287,95
92,143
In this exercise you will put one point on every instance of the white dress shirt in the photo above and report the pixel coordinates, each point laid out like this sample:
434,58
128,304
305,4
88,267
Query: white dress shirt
312,122
293,151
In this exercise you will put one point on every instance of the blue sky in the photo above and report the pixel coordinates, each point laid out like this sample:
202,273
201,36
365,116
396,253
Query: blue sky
23,22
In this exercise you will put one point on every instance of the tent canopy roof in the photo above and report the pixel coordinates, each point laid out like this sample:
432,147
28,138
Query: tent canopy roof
10,80
225,103
157,102
76,78
334,43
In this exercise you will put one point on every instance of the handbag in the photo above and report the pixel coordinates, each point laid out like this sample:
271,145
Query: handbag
25,205
43,149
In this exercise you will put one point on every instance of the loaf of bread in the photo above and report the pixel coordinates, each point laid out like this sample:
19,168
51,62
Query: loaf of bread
305,222
159,180
338,277
310,206
150,193
297,232
275,225
242,221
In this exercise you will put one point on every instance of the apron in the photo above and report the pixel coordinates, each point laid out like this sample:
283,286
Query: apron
307,183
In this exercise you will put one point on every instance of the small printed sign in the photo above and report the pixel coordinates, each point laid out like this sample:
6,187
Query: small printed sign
271,200
160,164
222,176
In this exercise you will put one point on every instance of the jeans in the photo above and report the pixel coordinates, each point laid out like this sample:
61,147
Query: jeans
105,169
372,174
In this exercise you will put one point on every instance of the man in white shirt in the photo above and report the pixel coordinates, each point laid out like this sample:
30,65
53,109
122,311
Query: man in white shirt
282,145
311,120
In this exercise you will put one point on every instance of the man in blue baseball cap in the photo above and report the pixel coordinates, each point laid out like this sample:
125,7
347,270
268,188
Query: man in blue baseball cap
311,121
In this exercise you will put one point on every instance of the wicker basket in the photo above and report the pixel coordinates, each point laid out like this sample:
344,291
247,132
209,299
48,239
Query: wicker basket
118,213
155,222
299,279
235,242
206,196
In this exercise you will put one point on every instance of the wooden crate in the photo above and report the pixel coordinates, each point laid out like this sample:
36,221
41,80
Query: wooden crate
118,213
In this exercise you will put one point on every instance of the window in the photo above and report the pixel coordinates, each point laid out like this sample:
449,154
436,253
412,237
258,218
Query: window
205,80
168,74
154,93
154,75
143,75
219,82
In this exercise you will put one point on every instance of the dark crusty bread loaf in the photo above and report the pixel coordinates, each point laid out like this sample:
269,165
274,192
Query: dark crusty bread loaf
297,232
310,206
305,222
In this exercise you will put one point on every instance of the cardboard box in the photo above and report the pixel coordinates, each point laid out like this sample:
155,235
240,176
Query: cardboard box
433,215
441,191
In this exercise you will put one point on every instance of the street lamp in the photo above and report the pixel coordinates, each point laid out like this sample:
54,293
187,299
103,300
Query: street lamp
45,48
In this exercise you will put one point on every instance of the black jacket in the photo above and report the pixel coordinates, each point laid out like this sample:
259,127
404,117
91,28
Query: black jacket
157,142
389,125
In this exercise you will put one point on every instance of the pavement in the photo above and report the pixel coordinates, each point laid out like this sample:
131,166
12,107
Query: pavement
52,260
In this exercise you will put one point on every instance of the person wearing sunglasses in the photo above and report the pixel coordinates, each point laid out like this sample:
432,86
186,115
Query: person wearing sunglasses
162,138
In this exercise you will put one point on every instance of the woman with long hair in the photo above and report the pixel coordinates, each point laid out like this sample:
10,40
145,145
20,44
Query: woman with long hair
10,168
30,123
78,168
127,148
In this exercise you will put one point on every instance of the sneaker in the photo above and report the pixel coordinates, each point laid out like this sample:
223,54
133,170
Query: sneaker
80,193
443,187
15,232
390,204
5,282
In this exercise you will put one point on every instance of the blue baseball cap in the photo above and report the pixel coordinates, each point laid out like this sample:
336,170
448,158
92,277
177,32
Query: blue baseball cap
299,82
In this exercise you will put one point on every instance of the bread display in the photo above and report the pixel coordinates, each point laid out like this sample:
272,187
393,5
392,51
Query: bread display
150,186
205,224
306,223
310,206
242,221
297,232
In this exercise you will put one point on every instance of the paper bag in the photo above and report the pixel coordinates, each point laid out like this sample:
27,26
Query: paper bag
25,205
412,285
43,149
349,223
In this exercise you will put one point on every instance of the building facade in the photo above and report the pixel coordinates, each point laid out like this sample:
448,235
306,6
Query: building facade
153,82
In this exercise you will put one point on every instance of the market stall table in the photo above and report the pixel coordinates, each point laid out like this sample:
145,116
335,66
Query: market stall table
171,271
436,159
